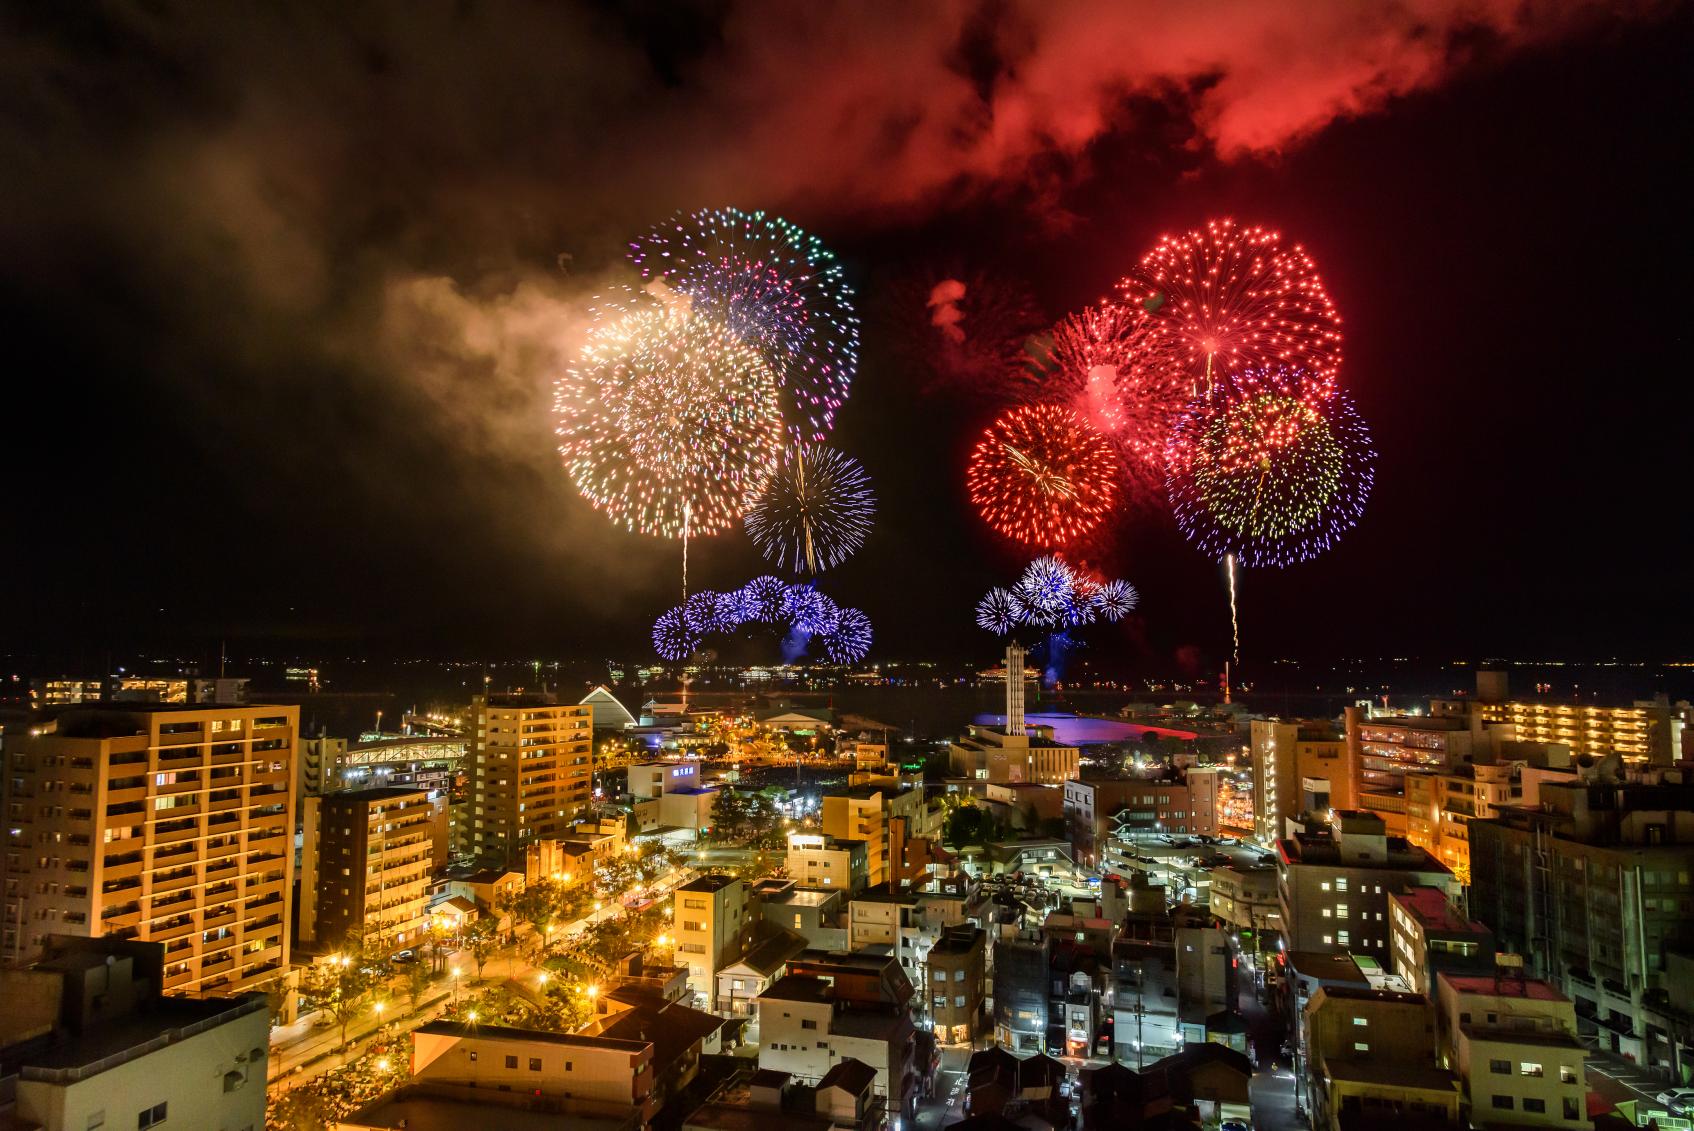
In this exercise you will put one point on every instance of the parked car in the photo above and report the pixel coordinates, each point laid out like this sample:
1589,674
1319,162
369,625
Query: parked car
1680,1101
1234,1125
405,956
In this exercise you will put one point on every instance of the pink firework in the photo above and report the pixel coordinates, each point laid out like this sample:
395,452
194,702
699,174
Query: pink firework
1228,298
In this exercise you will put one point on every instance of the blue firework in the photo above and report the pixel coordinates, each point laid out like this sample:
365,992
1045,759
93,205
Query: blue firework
672,637
851,638
998,612
1116,599
810,611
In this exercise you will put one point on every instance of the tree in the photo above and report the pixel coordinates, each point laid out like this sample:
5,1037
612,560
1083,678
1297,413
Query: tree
482,935
967,825
340,986
729,813
418,979
537,904
303,1109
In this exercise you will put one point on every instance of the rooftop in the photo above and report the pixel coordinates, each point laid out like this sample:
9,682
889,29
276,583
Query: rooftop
1390,1073
881,894
851,1074
164,1021
1530,989
742,1117
1434,912
501,1033
1327,967
431,1107
716,881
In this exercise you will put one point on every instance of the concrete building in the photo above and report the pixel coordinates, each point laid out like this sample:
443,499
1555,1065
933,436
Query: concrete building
1594,889
1020,990
1644,732
528,772
812,913
956,984
1298,766
1334,884
160,823
1429,936
856,814
668,795
742,981
1017,751
572,1074
1512,1042
1247,899
366,861
1371,1058
91,1043
832,1007
1134,808
712,921
817,861
1441,805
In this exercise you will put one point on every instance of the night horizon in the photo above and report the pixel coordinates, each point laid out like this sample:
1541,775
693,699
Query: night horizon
346,437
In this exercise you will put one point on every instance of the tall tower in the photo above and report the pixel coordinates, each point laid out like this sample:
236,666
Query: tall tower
1014,689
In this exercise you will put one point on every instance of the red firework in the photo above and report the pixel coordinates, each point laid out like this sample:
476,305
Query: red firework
1230,298
1043,475
1112,365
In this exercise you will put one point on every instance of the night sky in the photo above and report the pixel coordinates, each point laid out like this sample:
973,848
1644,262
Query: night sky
286,294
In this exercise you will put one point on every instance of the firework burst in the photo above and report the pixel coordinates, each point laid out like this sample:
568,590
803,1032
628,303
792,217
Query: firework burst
1228,298
1112,366
1271,470
999,611
814,512
1043,476
850,640
673,639
668,423
774,286
1055,596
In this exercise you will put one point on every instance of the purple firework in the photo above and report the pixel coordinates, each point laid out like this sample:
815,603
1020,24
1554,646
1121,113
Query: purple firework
762,599
851,638
810,611
672,637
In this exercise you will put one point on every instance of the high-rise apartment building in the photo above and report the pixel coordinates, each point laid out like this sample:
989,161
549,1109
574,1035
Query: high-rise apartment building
365,866
169,824
1646,731
857,814
1594,890
529,769
1297,765
1440,806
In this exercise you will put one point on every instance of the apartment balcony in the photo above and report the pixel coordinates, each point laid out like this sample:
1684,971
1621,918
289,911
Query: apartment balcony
127,870
135,795
174,931
225,804
263,888
230,757
125,919
216,965
221,858
221,917
162,885
224,869
176,835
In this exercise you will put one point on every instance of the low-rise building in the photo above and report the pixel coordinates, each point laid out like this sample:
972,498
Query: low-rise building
990,754
831,1007
1430,936
712,921
1512,1042
813,913
90,1042
1371,1053
957,984
1298,765
818,861
572,1074
1246,898
742,981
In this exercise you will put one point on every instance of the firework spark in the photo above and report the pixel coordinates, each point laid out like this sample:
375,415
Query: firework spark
1054,595
668,423
998,611
799,611
850,640
673,639
1271,470
1042,475
774,286
1228,298
814,512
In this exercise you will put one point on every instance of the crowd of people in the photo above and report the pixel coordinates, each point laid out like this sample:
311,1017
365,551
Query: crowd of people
332,1096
